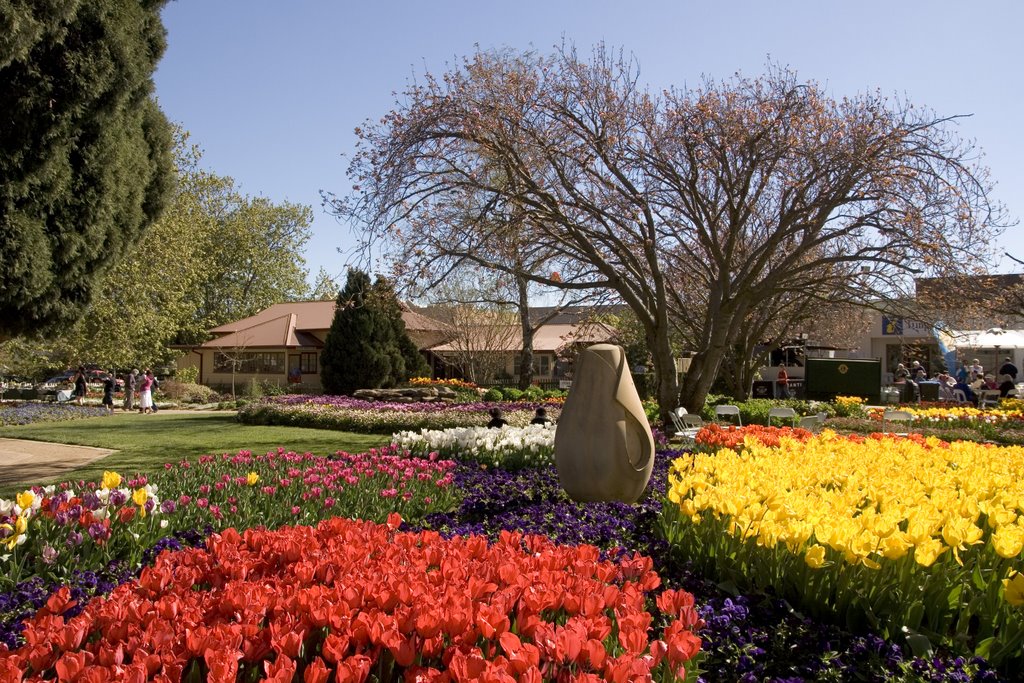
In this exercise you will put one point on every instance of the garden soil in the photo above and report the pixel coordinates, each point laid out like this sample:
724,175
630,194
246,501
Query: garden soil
22,460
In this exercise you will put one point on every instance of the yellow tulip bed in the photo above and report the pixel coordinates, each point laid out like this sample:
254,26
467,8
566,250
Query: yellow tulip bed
962,415
908,535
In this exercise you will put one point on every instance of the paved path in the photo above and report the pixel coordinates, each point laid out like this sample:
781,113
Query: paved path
22,460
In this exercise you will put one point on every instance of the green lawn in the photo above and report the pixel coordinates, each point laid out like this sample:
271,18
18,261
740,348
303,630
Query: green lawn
145,442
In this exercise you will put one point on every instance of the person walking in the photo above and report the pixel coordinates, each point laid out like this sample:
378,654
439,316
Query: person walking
109,386
152,391
782,383
80,387
146,392
130,385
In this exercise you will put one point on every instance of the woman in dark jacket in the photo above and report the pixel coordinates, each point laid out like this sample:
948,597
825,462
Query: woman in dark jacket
80,385
109,387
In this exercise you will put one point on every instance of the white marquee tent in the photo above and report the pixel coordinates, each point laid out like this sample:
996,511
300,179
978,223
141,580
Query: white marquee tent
992,338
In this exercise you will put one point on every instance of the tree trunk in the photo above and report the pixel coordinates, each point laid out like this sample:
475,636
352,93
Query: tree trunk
526,355
746,383
704,368
737,372
666,386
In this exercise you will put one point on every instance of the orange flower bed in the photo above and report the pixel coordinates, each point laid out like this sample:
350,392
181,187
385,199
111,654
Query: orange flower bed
716,436
354,600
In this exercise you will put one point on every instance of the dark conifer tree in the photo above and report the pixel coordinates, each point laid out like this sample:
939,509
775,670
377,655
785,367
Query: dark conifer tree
415,363
85,153
367,346
406,360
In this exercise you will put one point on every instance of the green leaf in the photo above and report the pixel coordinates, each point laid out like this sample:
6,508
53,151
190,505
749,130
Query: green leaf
915,614
953,597
984,648
919,644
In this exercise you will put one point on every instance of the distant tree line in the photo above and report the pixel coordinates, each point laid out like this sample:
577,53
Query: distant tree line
215,255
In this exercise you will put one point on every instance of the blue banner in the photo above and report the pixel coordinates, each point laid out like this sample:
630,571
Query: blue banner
892,326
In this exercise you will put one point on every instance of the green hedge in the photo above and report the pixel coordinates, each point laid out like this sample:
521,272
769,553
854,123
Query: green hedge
380,421
531,393
755,410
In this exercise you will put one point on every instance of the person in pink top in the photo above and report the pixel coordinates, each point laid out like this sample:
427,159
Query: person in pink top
146,392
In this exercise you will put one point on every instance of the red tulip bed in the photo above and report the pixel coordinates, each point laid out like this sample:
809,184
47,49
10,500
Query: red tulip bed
85,526
288,590
356,601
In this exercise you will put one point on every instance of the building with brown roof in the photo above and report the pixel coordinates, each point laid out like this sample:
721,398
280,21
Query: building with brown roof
282,345
494,352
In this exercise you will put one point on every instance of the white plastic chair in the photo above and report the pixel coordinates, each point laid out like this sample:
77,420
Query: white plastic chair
988,398
677,422
897,416
959,396
811,422
721,411
686,425
692,421
783,413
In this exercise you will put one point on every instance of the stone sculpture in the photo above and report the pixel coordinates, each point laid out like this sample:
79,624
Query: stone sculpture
603,446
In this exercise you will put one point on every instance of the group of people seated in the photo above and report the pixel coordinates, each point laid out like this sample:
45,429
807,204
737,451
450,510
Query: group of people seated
970,379
540,417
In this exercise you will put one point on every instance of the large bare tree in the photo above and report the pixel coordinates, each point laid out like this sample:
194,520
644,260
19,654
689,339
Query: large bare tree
484,236
481,324
740,189
472,287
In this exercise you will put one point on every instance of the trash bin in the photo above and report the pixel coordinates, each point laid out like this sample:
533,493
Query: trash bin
906,392
763,389
929,391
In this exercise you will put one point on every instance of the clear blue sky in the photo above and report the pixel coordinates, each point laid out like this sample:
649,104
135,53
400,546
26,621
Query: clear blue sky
272,90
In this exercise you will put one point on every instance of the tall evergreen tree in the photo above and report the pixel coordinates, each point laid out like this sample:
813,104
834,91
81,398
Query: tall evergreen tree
364,347
351,357
406,361
415,363
85,153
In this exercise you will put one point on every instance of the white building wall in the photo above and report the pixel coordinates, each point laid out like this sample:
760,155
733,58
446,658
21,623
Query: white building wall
896,340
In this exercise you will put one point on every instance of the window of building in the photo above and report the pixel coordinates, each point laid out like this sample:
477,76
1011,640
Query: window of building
308,363
541,365
249,363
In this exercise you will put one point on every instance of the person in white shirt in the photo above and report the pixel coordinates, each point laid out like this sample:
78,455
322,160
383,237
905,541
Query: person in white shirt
976,370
